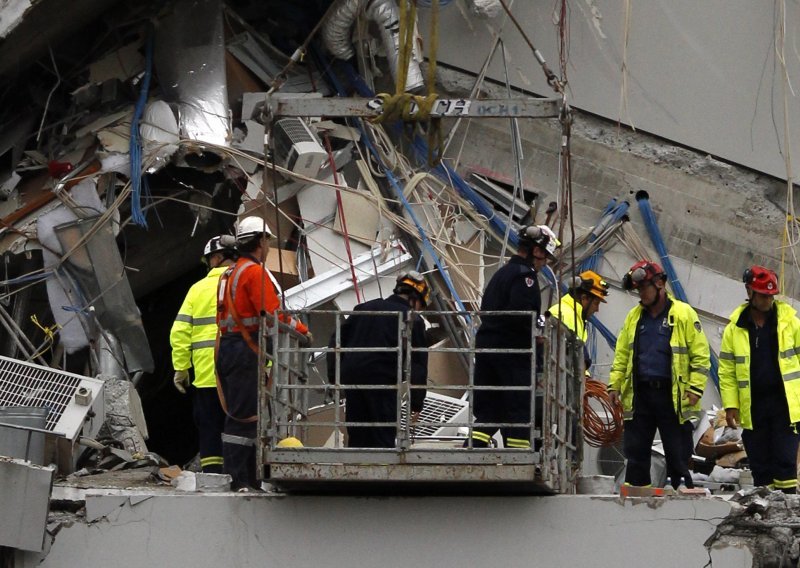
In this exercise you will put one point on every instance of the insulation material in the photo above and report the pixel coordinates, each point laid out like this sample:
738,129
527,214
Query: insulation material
160,135
62,293
190,58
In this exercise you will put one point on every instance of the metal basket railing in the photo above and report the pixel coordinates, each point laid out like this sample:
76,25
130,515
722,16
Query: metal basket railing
555,394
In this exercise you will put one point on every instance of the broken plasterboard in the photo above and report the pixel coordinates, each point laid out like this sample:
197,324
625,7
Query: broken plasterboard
327,249
121,64
360,215
283,265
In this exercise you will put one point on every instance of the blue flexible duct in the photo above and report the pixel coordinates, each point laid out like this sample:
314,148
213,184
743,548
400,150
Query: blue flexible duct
137,212
611,214
643,199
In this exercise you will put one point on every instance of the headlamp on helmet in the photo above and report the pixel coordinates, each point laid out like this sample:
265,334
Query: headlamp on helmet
591,283
540,236
222,244
642,272
412,282
761,280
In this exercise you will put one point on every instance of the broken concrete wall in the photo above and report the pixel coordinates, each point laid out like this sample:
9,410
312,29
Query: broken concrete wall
454,532
711,214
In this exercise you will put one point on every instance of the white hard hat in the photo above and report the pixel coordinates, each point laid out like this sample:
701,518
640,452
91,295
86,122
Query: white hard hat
212,246
541,236
250,227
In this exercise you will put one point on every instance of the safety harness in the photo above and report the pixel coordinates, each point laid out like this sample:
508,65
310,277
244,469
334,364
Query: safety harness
226,295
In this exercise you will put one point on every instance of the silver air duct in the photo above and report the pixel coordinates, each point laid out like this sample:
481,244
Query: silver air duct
336,34
190,58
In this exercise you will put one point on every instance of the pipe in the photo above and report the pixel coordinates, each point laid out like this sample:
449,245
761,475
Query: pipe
336,34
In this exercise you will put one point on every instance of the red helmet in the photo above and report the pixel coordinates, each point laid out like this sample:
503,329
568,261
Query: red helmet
761,280
642,271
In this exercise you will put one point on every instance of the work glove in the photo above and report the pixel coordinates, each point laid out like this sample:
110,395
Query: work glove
181,380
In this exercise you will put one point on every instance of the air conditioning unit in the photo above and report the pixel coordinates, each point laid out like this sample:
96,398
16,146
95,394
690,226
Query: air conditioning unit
297,147
443,410
74,405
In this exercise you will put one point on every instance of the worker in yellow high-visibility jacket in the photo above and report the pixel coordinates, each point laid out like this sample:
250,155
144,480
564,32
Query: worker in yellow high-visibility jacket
582,301
192,338
660,370
759,380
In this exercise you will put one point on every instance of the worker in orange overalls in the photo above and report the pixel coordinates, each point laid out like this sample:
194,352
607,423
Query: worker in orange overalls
246,291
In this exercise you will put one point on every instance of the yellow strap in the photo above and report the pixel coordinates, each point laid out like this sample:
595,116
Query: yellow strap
407,19
400,105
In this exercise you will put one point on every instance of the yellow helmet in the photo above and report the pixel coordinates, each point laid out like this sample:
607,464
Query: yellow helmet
412,281
591,282
290,442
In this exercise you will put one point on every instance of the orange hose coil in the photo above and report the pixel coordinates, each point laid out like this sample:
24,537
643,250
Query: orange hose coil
602,421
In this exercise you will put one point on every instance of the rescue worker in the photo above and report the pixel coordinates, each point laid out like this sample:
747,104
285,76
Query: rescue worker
245,292
759,368
581,302
192,337
411,292
514,287
659,373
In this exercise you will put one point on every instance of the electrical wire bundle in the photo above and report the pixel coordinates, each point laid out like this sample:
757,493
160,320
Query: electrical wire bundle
602,421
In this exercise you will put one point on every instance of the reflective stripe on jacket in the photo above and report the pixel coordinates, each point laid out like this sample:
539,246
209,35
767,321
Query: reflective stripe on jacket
248,286
194,331
734,363
690,359
570,313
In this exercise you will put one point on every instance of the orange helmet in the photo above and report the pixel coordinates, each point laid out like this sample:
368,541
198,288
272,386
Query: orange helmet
641,272
761,280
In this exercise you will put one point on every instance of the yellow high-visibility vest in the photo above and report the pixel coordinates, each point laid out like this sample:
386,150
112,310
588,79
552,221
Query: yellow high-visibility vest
690,359
194,331
570,313
734,363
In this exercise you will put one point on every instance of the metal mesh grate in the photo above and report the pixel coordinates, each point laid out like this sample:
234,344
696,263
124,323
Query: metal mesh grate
26,384
437,409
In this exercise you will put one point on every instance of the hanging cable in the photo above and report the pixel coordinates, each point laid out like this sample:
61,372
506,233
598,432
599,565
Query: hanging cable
135,143
340,208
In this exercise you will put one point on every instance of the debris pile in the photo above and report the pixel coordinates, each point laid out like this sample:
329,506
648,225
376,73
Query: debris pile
768,522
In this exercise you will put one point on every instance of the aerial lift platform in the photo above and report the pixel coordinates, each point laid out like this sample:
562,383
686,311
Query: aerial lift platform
434,455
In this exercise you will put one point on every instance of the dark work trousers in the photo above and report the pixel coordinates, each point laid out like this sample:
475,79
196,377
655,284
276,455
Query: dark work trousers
237,368
210,421
771,445
653,409
510,406
378,405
